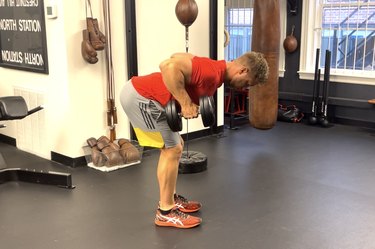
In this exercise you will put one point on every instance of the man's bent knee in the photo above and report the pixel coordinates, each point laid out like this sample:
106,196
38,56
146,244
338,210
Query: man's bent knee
173,151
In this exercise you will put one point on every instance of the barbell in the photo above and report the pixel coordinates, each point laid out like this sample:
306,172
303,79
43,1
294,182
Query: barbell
206,111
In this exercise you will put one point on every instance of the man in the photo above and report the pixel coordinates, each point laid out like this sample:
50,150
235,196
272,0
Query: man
185,78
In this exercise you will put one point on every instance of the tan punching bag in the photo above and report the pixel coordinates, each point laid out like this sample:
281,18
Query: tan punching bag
263,99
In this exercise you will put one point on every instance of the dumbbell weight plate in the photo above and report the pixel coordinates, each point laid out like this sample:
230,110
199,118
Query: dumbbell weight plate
174,120
207,110
192,162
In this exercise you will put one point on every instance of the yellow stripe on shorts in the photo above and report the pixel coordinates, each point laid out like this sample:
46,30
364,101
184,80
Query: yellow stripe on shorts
149,138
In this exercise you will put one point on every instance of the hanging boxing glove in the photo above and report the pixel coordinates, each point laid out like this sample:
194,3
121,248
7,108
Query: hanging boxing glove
94,36
102,37
87,51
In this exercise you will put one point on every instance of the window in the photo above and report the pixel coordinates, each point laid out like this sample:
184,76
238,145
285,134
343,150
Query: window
347,29
239,23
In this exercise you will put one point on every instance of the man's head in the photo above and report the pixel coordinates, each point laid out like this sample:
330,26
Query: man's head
251,69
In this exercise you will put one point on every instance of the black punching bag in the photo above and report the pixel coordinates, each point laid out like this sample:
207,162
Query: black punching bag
263,99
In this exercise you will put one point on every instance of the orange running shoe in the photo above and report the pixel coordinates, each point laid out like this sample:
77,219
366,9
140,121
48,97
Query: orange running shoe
186,206
176,218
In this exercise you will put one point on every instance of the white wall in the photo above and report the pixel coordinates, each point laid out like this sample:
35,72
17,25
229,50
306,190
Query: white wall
75,91
160,34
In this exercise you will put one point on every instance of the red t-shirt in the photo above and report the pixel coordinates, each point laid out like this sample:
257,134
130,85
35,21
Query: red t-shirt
207,75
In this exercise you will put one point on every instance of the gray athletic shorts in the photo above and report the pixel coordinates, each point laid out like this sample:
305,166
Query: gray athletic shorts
148,119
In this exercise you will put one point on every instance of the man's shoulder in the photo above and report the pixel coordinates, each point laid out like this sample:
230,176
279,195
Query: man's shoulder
182,56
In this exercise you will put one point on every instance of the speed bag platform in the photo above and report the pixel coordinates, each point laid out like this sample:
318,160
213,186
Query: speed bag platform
192,162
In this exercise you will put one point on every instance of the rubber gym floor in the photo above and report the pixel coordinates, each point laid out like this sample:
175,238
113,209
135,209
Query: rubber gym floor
292,187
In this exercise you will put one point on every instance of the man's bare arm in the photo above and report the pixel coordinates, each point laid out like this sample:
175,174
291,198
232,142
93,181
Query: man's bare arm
176,72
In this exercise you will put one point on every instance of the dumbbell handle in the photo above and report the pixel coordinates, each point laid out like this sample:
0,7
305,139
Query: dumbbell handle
206,110
180,115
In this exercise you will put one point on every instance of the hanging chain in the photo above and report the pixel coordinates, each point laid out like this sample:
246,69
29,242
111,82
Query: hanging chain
187,120
187,138
111,112
187,39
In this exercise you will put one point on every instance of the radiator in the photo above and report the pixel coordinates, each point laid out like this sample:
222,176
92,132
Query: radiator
31,130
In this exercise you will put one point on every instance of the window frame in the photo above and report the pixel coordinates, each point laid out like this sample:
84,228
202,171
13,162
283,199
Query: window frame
283,21
311,40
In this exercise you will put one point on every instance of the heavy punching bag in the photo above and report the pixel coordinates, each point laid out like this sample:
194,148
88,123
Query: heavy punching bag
263,99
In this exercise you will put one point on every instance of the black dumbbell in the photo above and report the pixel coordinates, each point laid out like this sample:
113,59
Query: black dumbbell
206,110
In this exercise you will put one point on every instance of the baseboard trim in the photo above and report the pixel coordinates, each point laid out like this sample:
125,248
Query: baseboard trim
352,122
203,133
8,140
355,103
305,100
68,161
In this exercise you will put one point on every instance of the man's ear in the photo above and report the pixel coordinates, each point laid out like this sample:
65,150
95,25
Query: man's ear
244,70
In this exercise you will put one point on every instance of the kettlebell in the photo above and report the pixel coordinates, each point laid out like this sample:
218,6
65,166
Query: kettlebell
290,43
186,12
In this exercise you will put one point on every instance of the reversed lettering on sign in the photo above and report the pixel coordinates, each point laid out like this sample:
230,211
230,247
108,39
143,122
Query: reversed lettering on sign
26,3
11,56
34,59
19,57
10,3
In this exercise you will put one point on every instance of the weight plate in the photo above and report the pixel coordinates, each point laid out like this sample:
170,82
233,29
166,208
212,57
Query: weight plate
207,110
174,120
177,116
192,162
